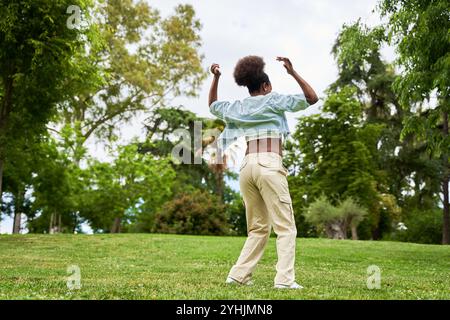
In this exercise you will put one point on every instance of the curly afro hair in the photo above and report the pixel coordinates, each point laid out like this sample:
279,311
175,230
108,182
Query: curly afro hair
249,72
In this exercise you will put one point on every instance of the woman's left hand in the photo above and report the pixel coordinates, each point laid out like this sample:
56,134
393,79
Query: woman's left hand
287,64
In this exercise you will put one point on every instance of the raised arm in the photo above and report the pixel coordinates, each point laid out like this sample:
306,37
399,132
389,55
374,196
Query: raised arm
308,91
215,70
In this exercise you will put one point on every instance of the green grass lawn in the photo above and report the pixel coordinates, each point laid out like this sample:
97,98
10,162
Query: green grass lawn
149,266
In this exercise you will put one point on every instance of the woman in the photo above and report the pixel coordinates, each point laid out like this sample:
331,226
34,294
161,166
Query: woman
261,119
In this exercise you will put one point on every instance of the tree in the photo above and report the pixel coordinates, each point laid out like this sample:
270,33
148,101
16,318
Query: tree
140,61
116,191
360,65
43,185
406,171
56,185
36,48
419,29
236,215
17,179
128,65
163,127
333,153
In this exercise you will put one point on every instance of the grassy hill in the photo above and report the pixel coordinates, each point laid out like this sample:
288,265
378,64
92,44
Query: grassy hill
149,266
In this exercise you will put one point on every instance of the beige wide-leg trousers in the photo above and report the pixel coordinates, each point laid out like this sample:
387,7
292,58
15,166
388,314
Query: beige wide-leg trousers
265,191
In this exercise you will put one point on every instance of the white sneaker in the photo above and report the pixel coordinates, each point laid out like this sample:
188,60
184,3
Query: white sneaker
295,285
232,281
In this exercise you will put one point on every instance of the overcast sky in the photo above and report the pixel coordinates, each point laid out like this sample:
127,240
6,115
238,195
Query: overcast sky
302,30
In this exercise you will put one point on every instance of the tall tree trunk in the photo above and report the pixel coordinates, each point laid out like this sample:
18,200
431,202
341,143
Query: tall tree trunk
116,225
219,170
445,180
376,231
354,232
220,184
5,110
446,215
1,178
16,225
50,228
59,223
18,208
55,224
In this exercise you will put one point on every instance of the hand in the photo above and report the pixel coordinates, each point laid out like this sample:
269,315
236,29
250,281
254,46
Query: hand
215,69
287,64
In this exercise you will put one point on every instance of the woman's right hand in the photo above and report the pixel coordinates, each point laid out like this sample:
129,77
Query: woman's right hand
215,69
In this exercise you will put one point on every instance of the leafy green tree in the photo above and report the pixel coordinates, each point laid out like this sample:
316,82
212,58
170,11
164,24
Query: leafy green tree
420,226
141,61
117,190
402,163
42,185
419,29
357,51
57,185
162,126
126,66
334,153
236,215
36,50
360,65
17,179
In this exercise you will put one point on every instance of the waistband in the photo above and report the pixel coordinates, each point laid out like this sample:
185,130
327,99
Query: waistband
263,134
262,154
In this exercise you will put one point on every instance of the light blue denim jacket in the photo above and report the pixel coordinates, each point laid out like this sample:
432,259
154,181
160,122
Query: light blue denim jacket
261,115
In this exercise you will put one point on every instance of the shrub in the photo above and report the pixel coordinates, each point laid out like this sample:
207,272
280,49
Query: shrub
236,217
422,226
325,216
335,221
195,213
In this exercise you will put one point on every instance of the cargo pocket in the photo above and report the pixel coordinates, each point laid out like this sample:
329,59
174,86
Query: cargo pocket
285,198
287,201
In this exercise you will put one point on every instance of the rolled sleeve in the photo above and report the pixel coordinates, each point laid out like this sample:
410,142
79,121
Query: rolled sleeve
289,102
219,108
